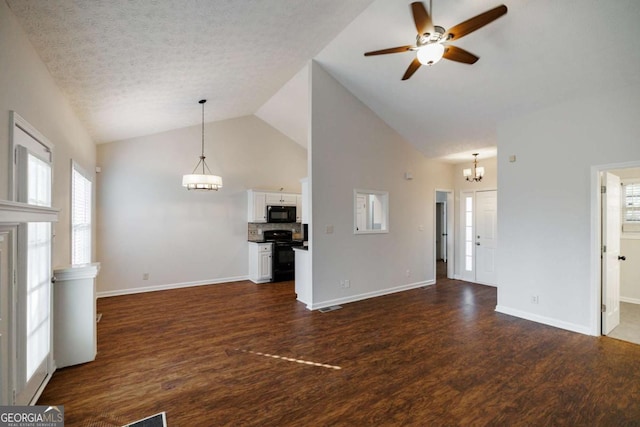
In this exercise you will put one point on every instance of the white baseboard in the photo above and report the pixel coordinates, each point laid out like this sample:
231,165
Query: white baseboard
544,320
630,300
129,291
367,295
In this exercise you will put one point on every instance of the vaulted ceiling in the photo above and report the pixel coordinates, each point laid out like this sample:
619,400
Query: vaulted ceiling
136,68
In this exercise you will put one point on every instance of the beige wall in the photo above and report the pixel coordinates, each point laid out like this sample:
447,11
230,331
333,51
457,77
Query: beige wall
353,148
27,88
149,223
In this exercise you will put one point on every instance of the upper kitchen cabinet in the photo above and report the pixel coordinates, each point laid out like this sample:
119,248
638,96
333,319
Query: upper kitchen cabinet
257,206
259,200
281,199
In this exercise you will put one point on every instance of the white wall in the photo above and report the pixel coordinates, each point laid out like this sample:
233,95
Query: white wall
27,88
352,148
545,199
149,223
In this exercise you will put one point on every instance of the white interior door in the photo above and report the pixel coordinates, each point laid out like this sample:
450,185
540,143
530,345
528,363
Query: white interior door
611,226
486,237
34,299
440,254
450,236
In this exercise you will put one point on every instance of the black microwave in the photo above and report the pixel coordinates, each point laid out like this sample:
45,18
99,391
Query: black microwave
281,214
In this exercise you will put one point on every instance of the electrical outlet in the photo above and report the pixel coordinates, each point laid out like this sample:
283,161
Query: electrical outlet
408,273
534,299
145,276
347,283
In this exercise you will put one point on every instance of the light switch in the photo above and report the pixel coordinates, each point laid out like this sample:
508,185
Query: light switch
512,158
329,229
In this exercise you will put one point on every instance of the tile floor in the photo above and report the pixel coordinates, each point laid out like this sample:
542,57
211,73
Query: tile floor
629,327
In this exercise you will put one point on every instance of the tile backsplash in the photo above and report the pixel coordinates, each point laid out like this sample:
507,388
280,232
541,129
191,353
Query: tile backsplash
255,229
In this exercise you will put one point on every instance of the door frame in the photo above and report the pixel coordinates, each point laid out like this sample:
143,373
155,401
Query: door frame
596,240
451,235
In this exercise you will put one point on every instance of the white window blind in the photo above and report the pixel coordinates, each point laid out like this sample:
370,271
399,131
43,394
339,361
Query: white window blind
80,217
631,203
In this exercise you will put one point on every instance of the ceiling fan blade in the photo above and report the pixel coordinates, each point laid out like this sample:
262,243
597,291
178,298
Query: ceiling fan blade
415,64
477,22
457,54
390,50
421,18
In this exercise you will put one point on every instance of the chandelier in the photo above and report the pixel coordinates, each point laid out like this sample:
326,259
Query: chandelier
204,180
475,174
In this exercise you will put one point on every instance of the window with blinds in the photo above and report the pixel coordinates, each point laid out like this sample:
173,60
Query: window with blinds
631,203
80,216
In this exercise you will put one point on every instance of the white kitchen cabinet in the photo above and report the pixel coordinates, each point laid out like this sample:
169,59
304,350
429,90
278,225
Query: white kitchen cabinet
303,211
281,199
74,315
260,262
298,208
257,206
303,286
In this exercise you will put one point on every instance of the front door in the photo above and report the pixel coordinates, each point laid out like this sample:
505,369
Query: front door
486,237
611,224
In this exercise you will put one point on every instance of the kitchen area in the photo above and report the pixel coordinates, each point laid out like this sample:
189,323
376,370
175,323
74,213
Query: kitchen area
278,238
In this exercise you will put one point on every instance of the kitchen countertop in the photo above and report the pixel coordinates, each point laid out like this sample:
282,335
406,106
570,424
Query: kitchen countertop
262,241
301,248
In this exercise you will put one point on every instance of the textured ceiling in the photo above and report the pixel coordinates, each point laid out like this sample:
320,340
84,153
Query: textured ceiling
132,68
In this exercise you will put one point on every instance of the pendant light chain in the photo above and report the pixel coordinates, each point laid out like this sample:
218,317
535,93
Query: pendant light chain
202,156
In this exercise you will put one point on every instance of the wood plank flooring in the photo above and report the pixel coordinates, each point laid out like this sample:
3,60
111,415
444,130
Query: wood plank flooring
242,354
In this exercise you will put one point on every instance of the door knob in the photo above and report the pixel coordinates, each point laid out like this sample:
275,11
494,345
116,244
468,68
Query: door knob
477,243
622,258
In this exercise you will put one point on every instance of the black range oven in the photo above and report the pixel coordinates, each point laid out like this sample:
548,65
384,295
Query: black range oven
283,258
281,213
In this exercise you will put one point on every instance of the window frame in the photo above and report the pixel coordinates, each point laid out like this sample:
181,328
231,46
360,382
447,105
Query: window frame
630,229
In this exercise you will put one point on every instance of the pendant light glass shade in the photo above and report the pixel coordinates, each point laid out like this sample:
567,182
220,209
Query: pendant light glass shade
204,180
201,182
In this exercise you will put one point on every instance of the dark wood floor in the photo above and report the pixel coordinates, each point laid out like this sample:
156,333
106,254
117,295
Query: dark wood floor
215,356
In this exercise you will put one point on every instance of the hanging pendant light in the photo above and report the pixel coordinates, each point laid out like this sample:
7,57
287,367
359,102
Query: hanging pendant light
476,174
204,180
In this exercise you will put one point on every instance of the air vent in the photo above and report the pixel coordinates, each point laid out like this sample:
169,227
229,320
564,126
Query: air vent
331,308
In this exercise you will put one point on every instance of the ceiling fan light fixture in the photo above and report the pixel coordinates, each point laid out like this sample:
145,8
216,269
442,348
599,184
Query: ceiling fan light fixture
430,54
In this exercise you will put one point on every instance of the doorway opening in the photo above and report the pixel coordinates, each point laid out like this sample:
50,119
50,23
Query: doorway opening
444,235
619,232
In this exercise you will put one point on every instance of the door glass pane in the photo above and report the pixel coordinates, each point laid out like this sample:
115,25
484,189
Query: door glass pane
38,280
38,295
468,233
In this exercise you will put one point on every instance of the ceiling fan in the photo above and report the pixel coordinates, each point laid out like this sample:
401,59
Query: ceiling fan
430,47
